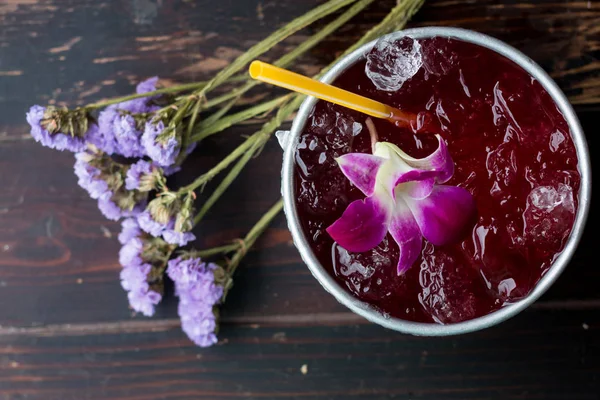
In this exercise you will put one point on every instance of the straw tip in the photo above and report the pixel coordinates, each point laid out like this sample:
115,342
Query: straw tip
255,69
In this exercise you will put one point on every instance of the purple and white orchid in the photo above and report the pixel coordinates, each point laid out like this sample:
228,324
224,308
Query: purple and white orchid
405,197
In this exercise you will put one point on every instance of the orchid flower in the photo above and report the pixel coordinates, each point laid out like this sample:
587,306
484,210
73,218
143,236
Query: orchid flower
405,197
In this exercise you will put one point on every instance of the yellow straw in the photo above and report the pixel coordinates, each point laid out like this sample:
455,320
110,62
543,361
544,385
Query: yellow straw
298,83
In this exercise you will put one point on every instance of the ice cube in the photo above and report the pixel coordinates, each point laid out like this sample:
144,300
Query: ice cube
549,215
393,61
358,269
547,198
444,293
502,166
356,128
348,265
556,139
339,137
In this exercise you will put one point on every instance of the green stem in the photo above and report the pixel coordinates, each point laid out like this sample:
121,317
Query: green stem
254,234
234,155
265,45
305,46
191,123
180,113
205,129
214,117
215,250
170,89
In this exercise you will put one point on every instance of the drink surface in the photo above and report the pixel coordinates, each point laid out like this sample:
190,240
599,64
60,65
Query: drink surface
512,150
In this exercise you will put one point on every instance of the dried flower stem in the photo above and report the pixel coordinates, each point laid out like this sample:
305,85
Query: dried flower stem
254,234
206,129
216,250
170,89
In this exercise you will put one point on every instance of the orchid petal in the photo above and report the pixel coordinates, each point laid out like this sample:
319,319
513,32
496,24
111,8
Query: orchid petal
416,189
405,231
396,171
361,169
439,161
444,215
362,226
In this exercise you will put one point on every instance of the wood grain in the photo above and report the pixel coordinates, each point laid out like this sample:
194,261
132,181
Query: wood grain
65,330
515,360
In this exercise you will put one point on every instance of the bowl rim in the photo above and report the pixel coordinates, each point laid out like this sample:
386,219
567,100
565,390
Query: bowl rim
433,329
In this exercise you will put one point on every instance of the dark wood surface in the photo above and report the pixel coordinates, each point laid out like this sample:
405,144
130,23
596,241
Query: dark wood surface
65,329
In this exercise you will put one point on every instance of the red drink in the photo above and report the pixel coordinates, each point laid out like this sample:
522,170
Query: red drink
512,150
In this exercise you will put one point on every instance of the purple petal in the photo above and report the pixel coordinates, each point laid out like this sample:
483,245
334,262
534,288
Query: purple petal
445,214
149,85
179,238
134,277
143,300
136,172
149,225
362,226
406,233
439,161
108,207
417,183
130,253
418,189
129,229
361,169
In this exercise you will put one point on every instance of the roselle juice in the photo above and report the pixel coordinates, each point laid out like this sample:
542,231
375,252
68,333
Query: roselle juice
512,151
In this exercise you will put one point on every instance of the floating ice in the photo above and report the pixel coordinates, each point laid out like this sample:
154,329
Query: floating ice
444,294
549,214
548,198
393,61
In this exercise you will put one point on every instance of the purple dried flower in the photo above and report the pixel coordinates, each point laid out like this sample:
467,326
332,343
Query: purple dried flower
149,85
117,132
199,326
117,128
104,137
135,173
149,225
162,150
108,207
127,136
144,299
131,253
89,176
179,238
129,229
134,277
112,211
198,294
58,141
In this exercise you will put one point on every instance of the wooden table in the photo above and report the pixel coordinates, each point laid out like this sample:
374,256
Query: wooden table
65,328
